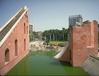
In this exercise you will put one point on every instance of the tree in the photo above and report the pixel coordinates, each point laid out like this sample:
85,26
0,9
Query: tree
56,35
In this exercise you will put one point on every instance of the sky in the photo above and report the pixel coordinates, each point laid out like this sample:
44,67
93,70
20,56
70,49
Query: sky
50,14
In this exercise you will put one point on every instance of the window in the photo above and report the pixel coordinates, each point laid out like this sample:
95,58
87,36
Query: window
16,47
70,55
7,55
24,28
24,44
27,29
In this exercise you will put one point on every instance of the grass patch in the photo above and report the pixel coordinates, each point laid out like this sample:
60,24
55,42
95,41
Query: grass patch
57,43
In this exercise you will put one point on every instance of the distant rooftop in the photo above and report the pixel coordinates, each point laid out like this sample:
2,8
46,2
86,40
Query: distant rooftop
75,20
73,16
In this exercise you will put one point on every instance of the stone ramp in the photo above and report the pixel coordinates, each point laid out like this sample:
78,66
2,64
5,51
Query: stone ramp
91,65
63,55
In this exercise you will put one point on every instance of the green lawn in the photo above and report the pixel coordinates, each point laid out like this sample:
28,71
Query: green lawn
43,64
60,43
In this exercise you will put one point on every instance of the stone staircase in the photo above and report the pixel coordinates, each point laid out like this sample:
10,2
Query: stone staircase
91,65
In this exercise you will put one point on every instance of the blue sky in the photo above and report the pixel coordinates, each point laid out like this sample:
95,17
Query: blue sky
50,14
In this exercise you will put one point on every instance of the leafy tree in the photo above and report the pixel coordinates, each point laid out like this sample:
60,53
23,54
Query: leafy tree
56,35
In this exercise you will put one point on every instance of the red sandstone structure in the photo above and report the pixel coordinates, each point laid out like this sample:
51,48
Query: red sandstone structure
14,41
83,42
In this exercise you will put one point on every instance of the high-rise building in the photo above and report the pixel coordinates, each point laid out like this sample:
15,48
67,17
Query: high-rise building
30,28
31,32
75,20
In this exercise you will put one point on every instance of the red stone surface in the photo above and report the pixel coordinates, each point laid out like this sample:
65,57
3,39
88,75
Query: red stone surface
17,33
84,42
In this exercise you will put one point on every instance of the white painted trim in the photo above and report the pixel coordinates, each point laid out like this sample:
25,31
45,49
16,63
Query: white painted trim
9,32
9,20
92,36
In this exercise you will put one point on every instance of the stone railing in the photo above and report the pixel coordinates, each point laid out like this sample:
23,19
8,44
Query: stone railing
9,25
